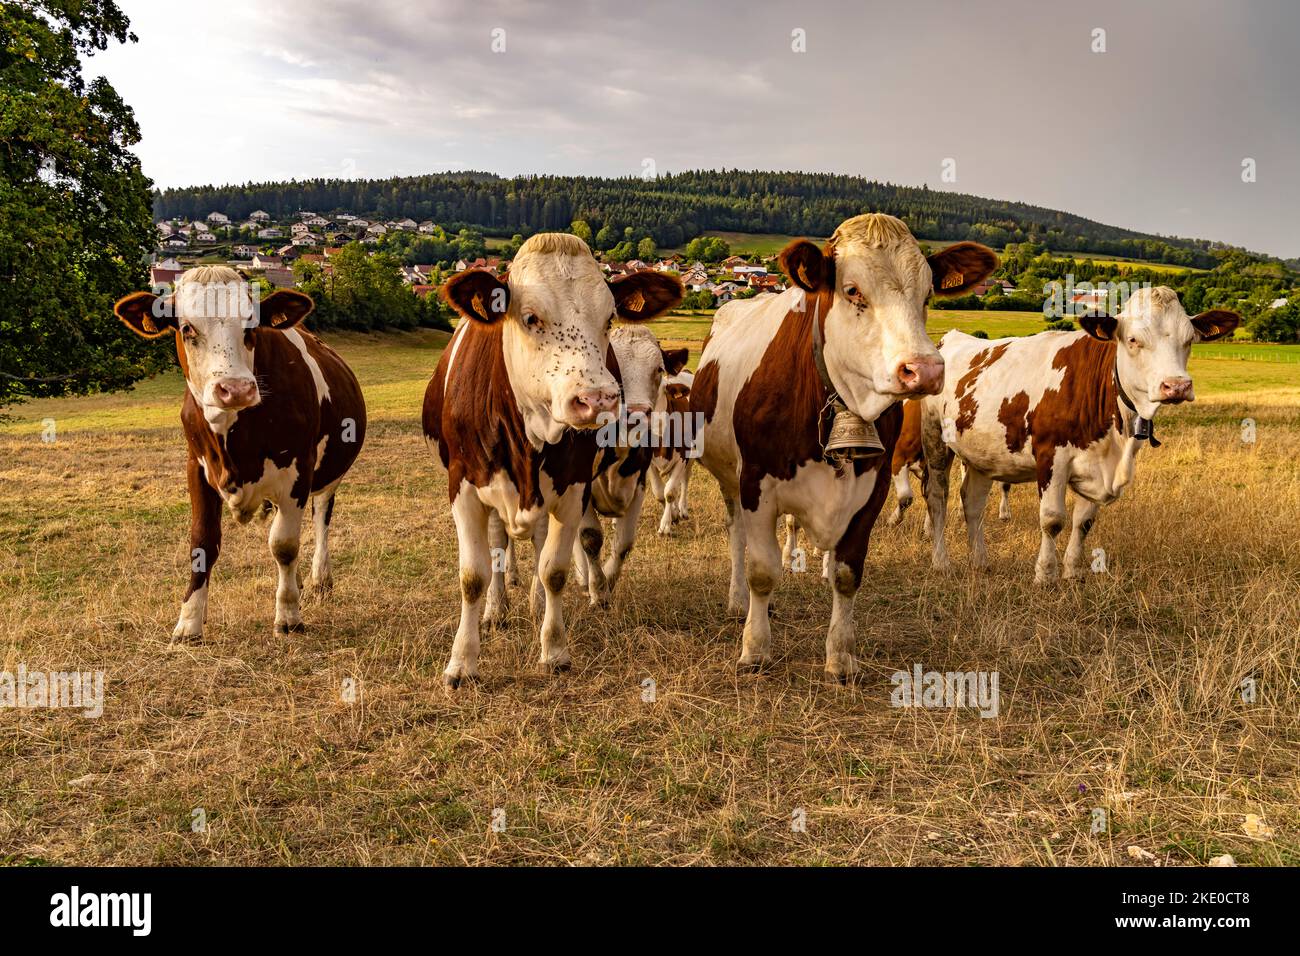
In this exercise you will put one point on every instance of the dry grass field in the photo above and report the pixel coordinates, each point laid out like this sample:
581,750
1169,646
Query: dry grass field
1121,693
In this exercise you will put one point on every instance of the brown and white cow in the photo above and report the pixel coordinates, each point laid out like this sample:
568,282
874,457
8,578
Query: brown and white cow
909,461
627,448
762,397
511,413
272,417
1063,409
674,451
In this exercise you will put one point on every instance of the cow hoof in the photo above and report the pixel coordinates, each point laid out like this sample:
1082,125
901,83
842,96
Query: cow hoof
453,681
552,668
755,665
186,637
283,627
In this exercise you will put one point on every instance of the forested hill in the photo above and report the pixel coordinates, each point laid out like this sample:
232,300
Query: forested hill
675,208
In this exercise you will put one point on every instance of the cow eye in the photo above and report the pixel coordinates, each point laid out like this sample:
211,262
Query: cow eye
188,331
1132,341
531,320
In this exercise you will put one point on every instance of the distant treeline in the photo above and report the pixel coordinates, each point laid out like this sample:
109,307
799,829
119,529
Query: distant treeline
674,209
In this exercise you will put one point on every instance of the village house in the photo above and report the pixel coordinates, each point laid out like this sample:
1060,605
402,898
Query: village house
306,239
176,242
345,217
376,229
258,215
269,233
243,250
171,262
408,225
163,278
218,219
428,227
261,261
205,237
298,228
164,229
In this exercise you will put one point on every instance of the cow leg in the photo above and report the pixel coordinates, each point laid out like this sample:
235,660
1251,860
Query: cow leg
737,593
285,541
902,497
975,487
553,567
938,458
471,517
791,542
841,639
512,562
624,539
537,593
762,571
679,482
1004,506
586,557
322,513
1051,519
205,545
494,612
1085,513
659,488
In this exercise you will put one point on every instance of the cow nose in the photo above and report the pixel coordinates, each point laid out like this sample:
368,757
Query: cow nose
638,409
235,392
921,376
590,402
1176,389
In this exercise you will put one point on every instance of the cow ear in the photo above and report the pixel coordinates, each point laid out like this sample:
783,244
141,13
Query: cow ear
961,267
675,360
1099,326
643,295
807,266
284,308
1215,324
145,314
477,294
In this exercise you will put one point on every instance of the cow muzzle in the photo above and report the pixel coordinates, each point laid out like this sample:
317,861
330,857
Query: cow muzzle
1175,391
585,406
920,376
235,393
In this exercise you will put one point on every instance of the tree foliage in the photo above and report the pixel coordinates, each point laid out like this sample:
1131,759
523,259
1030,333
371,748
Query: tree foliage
75,223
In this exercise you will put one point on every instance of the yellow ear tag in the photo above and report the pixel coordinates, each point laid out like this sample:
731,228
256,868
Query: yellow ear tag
148,324
477,305
278,319
952,280
635,302
803,275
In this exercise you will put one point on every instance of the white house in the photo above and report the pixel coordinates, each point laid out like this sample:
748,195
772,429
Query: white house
266,262
218,219
376,229
1277,303
205,237
345,217
269,233
409,225
306,239
259,215
428,227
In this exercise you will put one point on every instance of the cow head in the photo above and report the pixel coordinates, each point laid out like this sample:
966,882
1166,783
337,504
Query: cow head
874,283
557,311
640,366
213,315
1154,337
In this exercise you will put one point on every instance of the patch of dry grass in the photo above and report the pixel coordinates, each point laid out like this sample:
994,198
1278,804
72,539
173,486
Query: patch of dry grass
1121,693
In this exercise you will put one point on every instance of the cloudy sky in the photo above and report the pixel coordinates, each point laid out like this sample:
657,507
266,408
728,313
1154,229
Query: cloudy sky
1150,134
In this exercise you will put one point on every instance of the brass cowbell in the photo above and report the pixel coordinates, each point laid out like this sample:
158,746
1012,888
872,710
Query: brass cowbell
852,437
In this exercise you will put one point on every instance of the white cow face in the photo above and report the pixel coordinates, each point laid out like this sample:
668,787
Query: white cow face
557,311
214,314
643,366
877,283
1154,337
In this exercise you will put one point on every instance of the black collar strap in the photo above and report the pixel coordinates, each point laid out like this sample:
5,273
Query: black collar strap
1144,429
833,401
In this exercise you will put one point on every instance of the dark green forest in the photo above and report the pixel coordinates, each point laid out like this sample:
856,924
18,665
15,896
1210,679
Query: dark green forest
675,208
